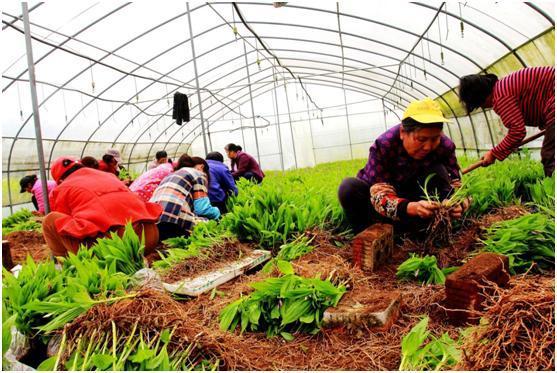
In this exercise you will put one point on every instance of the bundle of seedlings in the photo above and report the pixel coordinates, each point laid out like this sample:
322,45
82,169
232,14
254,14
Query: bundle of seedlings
20,221
542,193
34,283
282,305
517,329
205,238
440,228
424,270
421,350
145,332
124,253
525,240
290,251
46,299
118,350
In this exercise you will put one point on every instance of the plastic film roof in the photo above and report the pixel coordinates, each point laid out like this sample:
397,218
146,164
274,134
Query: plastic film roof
296,85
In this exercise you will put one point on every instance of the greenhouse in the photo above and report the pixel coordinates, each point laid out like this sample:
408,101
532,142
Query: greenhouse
278,185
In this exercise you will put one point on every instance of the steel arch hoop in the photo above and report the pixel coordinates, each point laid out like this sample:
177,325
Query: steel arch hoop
74,77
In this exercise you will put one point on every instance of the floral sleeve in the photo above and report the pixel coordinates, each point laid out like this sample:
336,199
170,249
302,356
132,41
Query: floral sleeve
385,201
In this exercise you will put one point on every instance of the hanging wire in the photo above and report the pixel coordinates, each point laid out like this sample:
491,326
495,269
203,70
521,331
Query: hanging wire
92,77
234,28
423,60
258,61
65,109
446,21
167,98
440,41
428,47
136,90
19,101
461,21
131,115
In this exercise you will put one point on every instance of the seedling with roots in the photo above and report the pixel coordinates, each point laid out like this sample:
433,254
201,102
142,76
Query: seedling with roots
439,230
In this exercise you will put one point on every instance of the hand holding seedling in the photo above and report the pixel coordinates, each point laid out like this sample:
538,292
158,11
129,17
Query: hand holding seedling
422,209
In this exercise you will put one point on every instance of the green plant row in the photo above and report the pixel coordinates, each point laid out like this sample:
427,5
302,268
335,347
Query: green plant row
45,299
20,221
525,240
282,305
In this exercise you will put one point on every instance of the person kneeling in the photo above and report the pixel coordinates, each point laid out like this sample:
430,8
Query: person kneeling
389,187
184,199
88,204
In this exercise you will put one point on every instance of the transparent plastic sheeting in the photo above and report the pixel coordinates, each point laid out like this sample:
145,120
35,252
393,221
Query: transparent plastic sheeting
305,83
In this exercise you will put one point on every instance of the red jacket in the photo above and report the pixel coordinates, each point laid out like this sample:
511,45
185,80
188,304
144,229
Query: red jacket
95,201
108,168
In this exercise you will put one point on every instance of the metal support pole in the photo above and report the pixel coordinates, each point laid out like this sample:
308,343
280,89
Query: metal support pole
276,110
290,122
348,123
36,118
475,135
196,79
251,101
489,129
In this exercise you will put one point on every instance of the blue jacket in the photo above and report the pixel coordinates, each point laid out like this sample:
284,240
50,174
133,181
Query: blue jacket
222,183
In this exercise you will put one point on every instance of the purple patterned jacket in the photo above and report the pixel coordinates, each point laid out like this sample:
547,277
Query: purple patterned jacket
389,163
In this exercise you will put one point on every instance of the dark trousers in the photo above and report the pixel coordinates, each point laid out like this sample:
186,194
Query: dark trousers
169,230
548,150
354,197
250,176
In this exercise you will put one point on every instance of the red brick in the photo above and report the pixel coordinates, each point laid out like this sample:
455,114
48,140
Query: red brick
372,247
464,287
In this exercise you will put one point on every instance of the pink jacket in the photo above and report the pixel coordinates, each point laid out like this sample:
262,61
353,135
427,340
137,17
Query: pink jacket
145,185
37,191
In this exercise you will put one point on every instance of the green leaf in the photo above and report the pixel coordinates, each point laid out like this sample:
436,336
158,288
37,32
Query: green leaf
285,267
287,336
102,361
48,364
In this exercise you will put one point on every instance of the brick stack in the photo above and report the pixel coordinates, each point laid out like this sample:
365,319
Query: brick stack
372,247
463,288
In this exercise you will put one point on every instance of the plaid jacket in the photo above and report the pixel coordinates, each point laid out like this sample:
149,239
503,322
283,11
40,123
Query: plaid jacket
176,194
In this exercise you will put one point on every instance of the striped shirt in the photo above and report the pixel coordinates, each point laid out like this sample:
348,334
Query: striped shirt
523,98
176,194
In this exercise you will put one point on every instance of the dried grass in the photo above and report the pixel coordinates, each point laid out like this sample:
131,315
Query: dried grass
518,331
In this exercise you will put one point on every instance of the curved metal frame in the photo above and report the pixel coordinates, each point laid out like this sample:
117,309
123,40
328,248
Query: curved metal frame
138,37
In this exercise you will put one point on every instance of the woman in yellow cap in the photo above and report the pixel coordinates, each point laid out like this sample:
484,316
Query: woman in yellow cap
388,188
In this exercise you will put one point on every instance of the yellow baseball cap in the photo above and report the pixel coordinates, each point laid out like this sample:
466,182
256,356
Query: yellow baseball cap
425,111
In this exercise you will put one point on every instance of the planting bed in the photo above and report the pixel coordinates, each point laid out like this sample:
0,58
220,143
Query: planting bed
221,255
378,311
23,243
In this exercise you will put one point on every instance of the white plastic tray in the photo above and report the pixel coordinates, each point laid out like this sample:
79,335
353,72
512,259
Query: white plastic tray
201,284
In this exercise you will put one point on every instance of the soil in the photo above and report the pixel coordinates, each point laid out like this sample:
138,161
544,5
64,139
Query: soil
373,300
197,320
228,252
484,265
25,243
